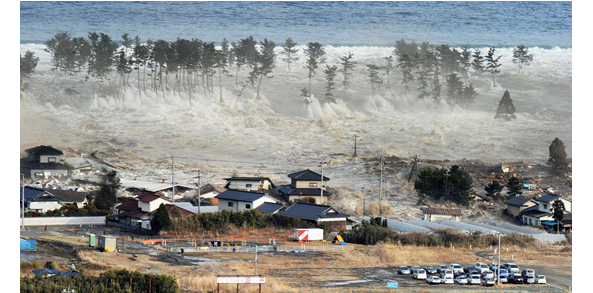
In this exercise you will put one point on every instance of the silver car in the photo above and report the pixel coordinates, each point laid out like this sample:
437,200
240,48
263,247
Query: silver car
488,282
403,270
529,280
461,280
433,280
474,280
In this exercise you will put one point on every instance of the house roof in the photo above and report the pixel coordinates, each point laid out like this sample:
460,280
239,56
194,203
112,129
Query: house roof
151,186
136,213
312,212
307,175
68,195
211,187
248,178
239,195
440,211
548,198
534,212
269,207
517,201
149,197
128,205
30,193
44,150
77,162
194,209
171,207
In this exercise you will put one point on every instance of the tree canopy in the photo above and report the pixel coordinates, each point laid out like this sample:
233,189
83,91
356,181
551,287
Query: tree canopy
161,219
558,156
454,184
506,109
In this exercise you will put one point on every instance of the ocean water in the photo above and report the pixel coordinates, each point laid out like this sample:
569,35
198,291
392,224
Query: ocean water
475,24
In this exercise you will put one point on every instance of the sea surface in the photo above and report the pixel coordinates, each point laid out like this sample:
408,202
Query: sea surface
464,23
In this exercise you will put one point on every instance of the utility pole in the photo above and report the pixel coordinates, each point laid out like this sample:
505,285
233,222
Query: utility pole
381,185
23,201
200,190
321,165
355,155
364,203
413,167
172,179
255,261
498,273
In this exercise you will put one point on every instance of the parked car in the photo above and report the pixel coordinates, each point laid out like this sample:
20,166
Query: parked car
488,274
430,269
456,267
504,272
448,280
475,273
403,270
488,282
460,274
433,280
413,268
447,273
461,280
529,279
513,268
481,267
474,280
419,274
514,279
503,279
441,268
528,272
493,267
468,269
540,279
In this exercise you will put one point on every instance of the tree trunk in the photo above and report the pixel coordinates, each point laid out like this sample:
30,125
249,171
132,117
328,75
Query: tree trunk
258,85
220,83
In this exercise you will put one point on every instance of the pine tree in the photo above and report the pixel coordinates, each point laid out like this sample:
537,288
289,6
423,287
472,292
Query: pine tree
347,67
265,61
289,52
506,109
374,78
161,220
330,74
315,56
477,61
522,57
465,63
388,67
558,209
558,156
492,64
493,189
514,185
28,64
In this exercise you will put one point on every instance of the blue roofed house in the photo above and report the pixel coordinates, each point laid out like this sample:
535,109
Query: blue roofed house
305,184
542,213
238,201
270,208
39,200
318,214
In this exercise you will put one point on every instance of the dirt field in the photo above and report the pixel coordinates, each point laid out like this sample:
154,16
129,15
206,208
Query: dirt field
362,267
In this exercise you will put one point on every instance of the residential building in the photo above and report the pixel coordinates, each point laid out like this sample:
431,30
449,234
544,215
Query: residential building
318,214
255,184
542,213
516,205
43,162
138,212
236,200
68,197
305,185
270,208
438,214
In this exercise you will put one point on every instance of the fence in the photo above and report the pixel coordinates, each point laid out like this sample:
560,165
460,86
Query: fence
56,221
264,248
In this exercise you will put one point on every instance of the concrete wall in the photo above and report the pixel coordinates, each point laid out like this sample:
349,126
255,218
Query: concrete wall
57,221
44,206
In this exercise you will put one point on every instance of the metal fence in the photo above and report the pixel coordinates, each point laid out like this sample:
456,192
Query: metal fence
264,248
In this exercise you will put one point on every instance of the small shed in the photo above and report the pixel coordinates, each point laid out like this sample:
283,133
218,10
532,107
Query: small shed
436,214
108,242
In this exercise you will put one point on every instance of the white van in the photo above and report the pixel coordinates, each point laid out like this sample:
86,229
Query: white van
420,274
447,273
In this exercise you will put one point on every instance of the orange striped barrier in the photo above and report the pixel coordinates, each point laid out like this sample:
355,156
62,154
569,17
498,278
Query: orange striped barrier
164,240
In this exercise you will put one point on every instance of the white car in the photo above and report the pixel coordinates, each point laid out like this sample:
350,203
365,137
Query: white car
481,267
461,280
419,274
488,274
513,268
503,279
448,280
528,272
488,282
540,279
433,280
447,273
474,280
456,268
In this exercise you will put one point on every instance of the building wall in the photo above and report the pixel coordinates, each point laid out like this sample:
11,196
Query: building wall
44,206
317,198
436,217
306,184
223,204
513,210
51,172
39,221
151,206
45,159
243,185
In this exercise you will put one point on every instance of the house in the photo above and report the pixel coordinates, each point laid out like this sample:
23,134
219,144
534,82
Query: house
318,214
255,184
68,197
542,213
78,164
438,214
39,200
44,161
236,200
533,216
516,205
139,186
138,212
305,184
545,202
209,192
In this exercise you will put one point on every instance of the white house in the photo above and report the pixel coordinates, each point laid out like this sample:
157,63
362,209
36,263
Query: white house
255,184
236,200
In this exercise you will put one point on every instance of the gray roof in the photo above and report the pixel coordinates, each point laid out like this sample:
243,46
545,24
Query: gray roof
30,193
433,225
517,201
404,227
312,212
521,229
238,195
68,195
194,209
307,175
77,162
270,208
548,198
534,212
488,226
44,150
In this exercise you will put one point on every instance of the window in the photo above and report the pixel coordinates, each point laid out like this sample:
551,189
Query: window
38,174
312,184
247,206
230,204
545,206
51,159
248,185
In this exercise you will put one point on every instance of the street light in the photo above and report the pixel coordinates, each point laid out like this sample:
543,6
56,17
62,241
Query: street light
498,273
